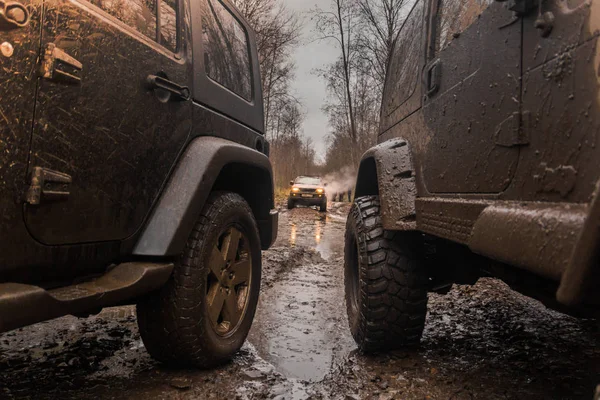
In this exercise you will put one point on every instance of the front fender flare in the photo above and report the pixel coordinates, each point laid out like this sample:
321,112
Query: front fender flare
186,191
387,170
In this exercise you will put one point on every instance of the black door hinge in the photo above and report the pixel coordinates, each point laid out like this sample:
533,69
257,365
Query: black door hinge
58,66
47,185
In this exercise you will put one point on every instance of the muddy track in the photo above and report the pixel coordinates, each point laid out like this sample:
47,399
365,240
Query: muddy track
480,342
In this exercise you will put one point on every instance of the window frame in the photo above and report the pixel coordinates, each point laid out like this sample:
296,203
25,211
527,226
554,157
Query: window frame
433,20
434,6
248,52
212,95
413,90
177,25
131,31
415,102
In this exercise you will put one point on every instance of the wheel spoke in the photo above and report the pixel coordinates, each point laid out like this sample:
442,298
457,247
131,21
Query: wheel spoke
231,263
232,312
215,299
241,271
230,245
216,262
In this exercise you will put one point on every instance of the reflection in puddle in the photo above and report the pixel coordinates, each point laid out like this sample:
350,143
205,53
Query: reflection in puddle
293,234
299,326
318,232
307,227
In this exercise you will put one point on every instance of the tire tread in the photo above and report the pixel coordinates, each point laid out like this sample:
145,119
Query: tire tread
392,302
171,321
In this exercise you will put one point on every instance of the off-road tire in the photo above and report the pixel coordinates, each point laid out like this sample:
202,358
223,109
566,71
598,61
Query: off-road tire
386,288
173,321
291,204
323,206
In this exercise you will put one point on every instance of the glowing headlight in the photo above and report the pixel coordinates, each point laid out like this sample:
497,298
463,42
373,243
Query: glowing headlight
295,189
319,190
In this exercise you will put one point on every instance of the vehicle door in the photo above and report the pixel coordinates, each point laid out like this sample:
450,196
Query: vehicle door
112,115
561,92
472,96
19,49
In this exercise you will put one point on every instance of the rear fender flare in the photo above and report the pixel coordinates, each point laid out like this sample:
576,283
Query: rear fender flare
207,164
387,170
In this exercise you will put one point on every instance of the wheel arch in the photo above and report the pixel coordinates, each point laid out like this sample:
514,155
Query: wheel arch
387,170
366,179
208,164
255,184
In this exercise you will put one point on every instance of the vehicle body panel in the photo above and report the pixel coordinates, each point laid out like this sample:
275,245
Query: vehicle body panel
479,89
508,169
560,92
19,79
197,173
66,140
20,48
111,133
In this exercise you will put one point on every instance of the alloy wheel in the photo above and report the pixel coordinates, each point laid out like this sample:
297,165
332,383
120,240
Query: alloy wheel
228,281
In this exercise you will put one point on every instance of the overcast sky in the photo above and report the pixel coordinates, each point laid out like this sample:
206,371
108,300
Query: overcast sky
309,88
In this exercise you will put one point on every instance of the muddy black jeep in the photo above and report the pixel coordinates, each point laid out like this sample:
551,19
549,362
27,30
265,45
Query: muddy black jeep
487,164
133,169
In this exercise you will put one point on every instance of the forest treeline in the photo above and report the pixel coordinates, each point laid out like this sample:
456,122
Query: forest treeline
363,32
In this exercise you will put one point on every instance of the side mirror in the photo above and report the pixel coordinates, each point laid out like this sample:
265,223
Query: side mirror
291,183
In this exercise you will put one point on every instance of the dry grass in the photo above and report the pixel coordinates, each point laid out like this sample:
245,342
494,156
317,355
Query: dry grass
281,194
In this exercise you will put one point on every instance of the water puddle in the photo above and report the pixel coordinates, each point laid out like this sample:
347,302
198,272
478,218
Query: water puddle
292,328
323,232
300,326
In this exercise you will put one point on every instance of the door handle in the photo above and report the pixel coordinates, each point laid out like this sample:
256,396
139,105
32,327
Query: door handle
176,92
433,77
13,15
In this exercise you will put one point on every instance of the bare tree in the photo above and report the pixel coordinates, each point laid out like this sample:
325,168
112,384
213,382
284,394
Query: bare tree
291,154
337,25
278,33
365,32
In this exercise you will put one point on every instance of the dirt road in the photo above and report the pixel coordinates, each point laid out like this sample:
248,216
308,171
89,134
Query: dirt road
481,342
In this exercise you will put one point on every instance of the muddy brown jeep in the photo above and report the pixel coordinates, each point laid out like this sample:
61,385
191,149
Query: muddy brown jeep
307,191
134,169
488,164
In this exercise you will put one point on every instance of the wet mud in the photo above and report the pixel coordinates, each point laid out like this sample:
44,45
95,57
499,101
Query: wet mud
480,342
301,325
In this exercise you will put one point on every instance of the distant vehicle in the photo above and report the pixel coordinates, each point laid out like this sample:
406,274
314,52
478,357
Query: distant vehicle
488,165
307,191
134,169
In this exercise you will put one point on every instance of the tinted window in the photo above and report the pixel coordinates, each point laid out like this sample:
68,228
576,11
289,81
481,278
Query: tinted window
226,56
168,24
403,72
142,16
138,14
454,17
